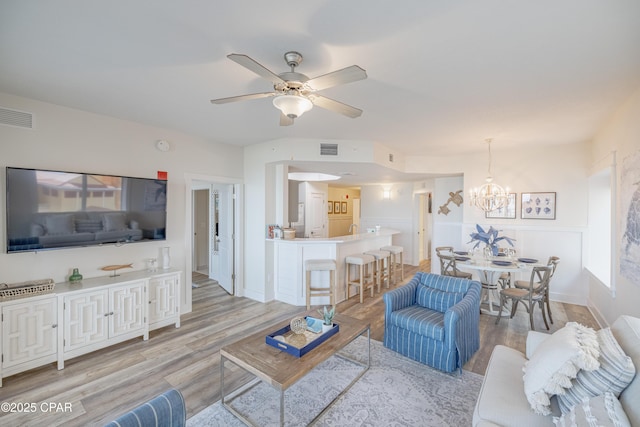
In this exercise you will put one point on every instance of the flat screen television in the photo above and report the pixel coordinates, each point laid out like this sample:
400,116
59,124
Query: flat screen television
48,209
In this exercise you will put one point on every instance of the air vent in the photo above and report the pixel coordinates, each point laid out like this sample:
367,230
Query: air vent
16,118
328,149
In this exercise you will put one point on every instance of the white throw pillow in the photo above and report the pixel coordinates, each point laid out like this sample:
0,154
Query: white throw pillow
614,375
603,410
556,361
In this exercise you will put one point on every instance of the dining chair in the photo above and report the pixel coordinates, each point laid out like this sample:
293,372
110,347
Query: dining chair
524,284
448,250
529,297
448,267
505,279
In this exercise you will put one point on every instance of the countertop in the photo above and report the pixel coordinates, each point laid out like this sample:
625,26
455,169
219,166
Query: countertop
339,239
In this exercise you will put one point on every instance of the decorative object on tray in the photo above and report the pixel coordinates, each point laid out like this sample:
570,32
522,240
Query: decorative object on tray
296,340
115,267
538,206
298,325
75,277
490,238
327,317
23,289
314,325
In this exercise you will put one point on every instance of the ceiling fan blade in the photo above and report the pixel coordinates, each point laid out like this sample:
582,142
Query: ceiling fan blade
285,120
254,66
335,106
242,97
339,77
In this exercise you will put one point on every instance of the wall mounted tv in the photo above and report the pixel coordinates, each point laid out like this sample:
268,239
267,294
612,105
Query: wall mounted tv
54,210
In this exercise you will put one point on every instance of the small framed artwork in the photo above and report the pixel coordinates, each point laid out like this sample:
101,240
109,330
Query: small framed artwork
508,211
330,207
270,228
344,207
538,206
336,207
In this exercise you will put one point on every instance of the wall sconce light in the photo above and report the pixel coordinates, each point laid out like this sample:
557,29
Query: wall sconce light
386,194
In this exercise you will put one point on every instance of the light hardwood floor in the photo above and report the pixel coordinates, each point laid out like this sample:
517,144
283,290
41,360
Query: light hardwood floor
106,383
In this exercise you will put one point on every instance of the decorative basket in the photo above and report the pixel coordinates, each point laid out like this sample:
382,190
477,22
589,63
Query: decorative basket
23,289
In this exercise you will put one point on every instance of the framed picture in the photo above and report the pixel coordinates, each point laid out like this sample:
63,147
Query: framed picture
538,206
508,211
330,207
336,207
344,208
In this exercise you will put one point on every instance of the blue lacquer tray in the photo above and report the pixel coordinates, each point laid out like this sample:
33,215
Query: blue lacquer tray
295,351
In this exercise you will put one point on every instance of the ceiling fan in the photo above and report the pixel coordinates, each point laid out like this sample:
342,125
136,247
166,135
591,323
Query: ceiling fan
294,92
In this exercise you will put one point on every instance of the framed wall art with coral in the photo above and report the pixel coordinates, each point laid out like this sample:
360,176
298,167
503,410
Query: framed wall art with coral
538,206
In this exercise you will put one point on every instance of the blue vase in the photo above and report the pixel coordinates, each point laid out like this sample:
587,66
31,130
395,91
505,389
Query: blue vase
495,250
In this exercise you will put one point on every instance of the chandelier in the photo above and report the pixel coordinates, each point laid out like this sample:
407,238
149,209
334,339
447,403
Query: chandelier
489,196
292,106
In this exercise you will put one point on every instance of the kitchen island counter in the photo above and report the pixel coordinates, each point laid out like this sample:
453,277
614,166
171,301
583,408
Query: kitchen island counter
290,255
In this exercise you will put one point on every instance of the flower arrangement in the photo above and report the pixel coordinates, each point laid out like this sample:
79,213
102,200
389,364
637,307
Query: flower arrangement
489,238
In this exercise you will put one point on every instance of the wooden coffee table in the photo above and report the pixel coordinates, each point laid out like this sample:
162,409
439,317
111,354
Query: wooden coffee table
281,370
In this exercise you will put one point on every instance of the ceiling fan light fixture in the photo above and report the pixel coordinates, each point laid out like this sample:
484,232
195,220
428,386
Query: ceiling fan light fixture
292,106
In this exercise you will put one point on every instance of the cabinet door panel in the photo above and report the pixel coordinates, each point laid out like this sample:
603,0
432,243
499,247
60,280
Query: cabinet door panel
29,331
128,307
86,317
163,298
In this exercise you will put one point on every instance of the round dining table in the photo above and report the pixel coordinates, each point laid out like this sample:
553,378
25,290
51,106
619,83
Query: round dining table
489,271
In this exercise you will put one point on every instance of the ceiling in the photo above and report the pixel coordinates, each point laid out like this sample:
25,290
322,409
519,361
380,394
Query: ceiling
442,75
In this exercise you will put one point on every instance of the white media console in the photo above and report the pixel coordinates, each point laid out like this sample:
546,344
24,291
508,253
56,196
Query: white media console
78,318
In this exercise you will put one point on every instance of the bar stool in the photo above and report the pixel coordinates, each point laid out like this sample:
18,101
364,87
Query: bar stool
383,265
317,290
396,259
365,279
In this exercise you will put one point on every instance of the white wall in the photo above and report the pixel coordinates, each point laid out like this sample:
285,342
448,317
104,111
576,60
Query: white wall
622,135
73,140
447,228
395,212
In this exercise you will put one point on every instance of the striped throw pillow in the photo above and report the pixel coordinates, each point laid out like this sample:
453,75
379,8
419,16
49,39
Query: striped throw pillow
435,299
602,411
614,375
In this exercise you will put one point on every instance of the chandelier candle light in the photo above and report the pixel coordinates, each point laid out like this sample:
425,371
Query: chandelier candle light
489,196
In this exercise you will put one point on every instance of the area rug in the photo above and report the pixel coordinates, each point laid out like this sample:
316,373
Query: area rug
395,391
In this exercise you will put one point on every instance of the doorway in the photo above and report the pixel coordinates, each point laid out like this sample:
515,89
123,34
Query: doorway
214,208
213,225
424,226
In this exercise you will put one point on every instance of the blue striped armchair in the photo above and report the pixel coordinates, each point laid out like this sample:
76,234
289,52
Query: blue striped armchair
434,320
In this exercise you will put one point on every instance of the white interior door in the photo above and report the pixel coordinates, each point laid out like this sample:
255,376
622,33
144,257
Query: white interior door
222,214
356,216
317,214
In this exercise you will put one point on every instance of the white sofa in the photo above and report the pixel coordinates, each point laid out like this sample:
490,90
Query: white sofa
502,401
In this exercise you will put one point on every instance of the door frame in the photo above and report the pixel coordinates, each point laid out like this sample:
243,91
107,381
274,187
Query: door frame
238,268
